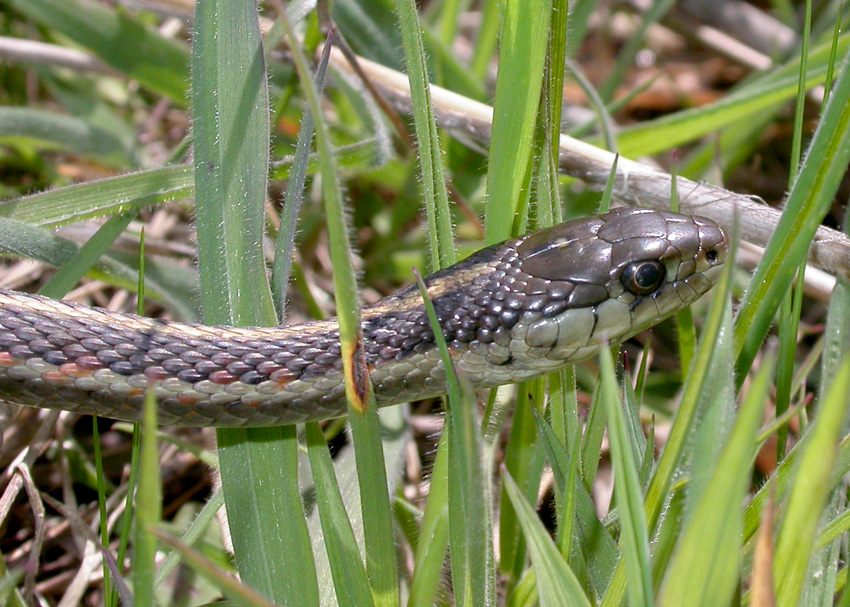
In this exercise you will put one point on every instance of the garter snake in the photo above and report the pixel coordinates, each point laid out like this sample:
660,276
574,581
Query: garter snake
511,312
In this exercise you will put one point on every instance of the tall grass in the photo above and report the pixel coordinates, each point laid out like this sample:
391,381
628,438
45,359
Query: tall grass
512,509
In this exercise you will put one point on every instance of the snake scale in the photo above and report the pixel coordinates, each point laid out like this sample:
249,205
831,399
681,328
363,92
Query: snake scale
511,312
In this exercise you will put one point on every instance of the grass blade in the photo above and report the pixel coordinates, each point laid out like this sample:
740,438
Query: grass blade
51,131
70,273
362,412
523,43
556,583
809,491
590,539
524,461
166,282
237,593
470,517
118,38
433,534
294,197
677,129
704,570
346,564
230,98
669,461
148,508
259,467
428,140
810,198
627,490
79,202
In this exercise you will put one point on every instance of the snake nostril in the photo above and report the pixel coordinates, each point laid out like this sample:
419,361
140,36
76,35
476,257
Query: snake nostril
711,255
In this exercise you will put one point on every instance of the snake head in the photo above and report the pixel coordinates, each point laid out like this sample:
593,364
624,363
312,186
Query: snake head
532,305
609,277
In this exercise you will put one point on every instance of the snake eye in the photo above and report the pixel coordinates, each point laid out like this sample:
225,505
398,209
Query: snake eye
643,277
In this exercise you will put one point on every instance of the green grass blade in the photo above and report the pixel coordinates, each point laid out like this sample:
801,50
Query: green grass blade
591,540
236,592
371,29
193,533
637,440
704,570
395,438
427,139
674,130
70,273
294,197
363,415
810,198
548,132
117,37
259,466
72,135
565,424
789,311
231,131
113,195
691,395
271,543
97,455
716,415
591,446
349,572
522,47
627,490
148,508
809,490
605,201
488,36
670,459
556,584
837,328
9,581
23,240
834,530
79,202
782,479
470,518
433,534
799,105
524,461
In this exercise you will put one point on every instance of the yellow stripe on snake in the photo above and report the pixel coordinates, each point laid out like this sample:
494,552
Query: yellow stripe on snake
515,311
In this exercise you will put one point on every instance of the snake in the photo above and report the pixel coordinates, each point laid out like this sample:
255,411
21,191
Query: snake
511,312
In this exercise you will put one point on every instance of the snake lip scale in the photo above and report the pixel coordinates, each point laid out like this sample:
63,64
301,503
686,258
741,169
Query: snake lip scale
511,312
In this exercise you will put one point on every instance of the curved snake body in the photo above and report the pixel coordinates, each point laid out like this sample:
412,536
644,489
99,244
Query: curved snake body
514,311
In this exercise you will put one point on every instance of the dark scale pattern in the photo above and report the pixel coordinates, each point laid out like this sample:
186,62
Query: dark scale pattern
502,297
159,355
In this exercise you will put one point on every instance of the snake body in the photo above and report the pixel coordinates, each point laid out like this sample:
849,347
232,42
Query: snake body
511,312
